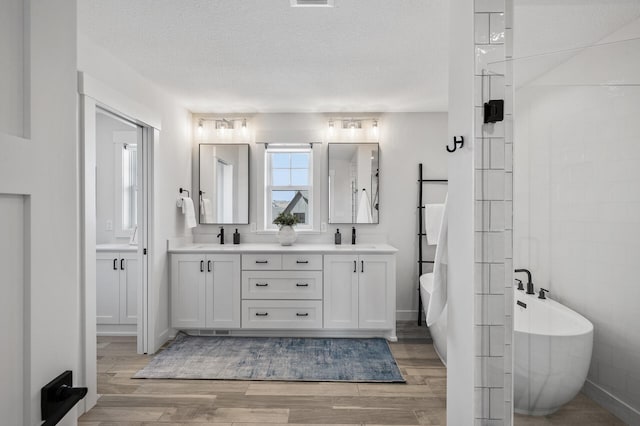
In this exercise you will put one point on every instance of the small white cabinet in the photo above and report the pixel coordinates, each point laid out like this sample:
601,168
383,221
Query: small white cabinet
116,287
205,291
359,291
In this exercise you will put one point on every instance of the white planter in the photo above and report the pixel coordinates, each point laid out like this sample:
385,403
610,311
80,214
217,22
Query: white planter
286,235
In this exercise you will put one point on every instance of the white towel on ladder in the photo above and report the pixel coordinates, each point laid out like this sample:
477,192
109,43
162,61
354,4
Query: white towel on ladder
433,222
364,210
438,299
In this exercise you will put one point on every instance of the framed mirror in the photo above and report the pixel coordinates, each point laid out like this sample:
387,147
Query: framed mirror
224,184
354,177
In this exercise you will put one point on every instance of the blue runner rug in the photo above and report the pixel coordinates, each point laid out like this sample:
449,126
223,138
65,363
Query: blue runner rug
274,358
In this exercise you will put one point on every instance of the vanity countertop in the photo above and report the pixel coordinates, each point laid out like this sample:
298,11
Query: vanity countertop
116,247
277,248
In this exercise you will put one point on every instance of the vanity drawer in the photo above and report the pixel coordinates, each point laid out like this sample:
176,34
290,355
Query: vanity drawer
282,285
304,262
261,262
281,314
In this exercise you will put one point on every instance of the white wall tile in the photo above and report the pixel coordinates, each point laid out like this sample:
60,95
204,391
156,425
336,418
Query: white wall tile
489,5
496,28
496,403
491,59
496,340
497,216
481,28
497,277
497,155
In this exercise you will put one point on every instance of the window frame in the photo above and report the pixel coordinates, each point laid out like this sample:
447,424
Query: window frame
263,226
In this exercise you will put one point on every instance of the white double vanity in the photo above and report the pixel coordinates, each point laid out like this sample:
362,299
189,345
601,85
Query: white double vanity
299,290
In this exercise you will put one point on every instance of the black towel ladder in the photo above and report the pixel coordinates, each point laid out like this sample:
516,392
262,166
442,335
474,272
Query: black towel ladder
422,232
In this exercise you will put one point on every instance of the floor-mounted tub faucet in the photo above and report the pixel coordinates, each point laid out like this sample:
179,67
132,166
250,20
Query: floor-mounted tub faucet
529,282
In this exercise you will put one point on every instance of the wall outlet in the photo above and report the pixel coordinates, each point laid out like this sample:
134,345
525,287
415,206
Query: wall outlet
109,225
323,227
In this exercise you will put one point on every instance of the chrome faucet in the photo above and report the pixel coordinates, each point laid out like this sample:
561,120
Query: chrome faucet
529,282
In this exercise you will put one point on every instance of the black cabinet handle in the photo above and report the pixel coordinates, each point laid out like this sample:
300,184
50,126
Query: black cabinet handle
306,314
355,266
262,261
202,266
262,314
302,261
362,266
209,265
115,264
302,285
122,264
262,284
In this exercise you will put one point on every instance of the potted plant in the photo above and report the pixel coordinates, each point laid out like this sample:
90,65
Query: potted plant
286,234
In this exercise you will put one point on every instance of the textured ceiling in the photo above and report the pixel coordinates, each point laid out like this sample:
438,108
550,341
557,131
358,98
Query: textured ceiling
265,56
360,56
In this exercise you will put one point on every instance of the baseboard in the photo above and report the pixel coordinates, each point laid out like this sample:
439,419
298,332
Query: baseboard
407,315
619,408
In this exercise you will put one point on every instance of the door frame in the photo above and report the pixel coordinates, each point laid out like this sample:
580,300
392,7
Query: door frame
94,95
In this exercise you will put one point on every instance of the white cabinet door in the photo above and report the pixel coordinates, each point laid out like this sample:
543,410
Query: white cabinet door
340,291
128,265
188,291
107,288
376,295
222,291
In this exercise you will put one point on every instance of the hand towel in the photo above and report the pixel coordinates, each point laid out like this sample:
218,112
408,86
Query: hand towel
438,299
433,222
206,210
364,211
189,212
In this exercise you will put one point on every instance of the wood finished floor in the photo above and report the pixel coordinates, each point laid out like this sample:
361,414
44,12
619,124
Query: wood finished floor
421,401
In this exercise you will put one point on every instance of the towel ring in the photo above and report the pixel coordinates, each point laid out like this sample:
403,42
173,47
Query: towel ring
184,190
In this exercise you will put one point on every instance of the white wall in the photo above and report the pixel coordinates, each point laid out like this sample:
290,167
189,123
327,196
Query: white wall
406,139
577,203
172,162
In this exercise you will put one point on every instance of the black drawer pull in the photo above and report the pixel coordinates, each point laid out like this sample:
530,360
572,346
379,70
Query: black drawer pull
262,261
362,266
209,265
202,266
262,284
115,264
302,261
122,264
302,285
262,314
355,265
298,314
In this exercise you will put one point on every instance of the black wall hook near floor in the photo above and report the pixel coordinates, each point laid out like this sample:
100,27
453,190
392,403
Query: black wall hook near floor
456,140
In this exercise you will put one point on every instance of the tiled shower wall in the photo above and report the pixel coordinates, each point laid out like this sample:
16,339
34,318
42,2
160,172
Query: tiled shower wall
493,215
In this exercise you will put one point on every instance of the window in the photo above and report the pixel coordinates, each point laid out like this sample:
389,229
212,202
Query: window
289,184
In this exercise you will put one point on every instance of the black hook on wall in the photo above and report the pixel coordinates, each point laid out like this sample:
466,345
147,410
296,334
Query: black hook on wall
456,140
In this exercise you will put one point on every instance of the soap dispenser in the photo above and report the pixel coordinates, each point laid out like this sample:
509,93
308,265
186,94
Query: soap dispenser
236,237
338,237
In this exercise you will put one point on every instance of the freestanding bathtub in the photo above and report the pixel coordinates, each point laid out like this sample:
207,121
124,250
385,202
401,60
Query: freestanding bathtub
552,350
552,353
438,329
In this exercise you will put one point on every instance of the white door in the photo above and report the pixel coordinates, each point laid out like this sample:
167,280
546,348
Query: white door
223,291
107,288
374,301
340,291
188,291
129,279
38,174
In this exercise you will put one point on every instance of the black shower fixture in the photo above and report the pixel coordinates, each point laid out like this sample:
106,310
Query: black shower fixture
494,111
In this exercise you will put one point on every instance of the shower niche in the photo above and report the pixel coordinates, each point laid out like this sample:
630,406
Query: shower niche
354,177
